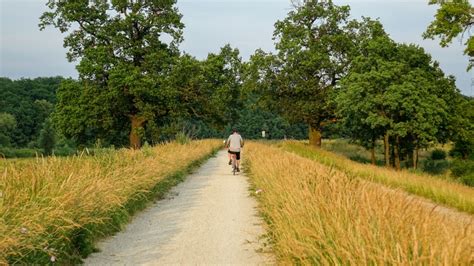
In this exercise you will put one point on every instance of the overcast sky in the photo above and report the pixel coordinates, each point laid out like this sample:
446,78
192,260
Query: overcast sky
210,24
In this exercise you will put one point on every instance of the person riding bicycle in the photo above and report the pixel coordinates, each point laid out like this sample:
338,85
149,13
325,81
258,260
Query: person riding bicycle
234,143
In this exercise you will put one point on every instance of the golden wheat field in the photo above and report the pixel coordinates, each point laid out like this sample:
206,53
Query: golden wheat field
441,191
317,214
43,200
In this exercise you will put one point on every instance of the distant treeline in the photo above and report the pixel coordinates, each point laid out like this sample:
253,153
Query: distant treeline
27,107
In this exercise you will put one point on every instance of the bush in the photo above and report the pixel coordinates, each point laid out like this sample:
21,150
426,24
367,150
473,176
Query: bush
438,154
435,167
467,179
463,170
64,151
19,153
182,138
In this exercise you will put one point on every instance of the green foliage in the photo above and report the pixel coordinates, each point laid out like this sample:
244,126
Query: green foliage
396,90
182,138
452,19
463,170
438,154
209,91
254,119
435,167
314,43
7,125
47,138
19,153
359,102
462,167
462,126
123,62
30,102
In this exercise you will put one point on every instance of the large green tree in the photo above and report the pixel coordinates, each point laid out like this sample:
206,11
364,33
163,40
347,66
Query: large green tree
314,43
454,18
223,75
125,49
204,94
395,92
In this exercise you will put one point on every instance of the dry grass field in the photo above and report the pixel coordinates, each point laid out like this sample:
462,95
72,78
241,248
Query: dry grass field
318,214
52,209
441,191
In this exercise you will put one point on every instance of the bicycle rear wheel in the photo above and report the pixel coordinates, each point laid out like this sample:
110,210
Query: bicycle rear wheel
234,164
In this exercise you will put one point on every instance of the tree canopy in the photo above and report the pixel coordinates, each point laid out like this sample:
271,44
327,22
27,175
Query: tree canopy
313,44
395,91
454,18
125,50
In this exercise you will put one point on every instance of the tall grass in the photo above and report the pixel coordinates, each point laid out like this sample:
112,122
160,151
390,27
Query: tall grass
440,191
319,215
53,209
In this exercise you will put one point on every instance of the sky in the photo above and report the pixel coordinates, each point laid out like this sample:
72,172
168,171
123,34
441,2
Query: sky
25,51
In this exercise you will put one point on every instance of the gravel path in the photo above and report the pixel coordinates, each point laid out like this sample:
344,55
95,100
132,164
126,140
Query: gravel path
208,219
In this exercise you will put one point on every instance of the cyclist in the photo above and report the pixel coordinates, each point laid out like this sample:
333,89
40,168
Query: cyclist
235,143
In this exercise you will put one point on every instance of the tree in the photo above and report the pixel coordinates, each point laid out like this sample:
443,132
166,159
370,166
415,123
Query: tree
463,127
123,56
360,102
223,76
398,92
47,138
7,125
81,114
314,43
453,18
203,96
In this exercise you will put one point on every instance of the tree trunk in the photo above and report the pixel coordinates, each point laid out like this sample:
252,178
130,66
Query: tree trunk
396,153
409,160
372,153
314,137
415,157
387,149
137,122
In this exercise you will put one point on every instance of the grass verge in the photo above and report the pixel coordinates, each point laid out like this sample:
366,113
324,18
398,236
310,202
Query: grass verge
319,215
441,191
55,209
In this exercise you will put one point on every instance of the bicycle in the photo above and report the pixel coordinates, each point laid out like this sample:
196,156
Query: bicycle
234,163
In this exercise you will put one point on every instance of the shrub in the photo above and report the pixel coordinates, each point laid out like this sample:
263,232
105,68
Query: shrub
438,154
435,167
182,138
464,171
19,153
467,179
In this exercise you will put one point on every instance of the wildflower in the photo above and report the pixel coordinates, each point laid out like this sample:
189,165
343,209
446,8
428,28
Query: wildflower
23,230
53,259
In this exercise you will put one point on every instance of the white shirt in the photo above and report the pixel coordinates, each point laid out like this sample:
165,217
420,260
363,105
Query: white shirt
235,142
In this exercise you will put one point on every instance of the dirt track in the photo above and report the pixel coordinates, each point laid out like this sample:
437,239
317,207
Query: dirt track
208,219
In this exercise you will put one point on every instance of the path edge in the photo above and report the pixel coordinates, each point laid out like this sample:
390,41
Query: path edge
84,239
